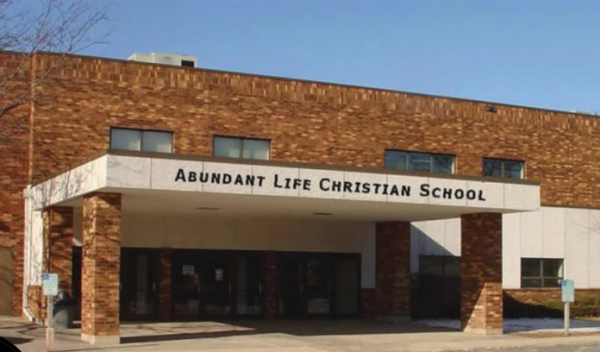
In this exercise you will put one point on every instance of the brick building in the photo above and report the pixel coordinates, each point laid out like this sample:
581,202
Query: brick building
175,193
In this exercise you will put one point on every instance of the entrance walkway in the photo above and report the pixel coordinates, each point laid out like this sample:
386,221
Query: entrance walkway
274,336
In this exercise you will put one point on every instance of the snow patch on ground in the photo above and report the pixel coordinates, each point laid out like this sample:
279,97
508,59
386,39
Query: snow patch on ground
523,325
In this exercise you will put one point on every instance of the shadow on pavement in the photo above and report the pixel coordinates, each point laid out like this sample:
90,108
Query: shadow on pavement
18,340
172,331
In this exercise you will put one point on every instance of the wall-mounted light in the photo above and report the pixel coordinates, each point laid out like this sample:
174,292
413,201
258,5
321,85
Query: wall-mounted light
207,208
323,214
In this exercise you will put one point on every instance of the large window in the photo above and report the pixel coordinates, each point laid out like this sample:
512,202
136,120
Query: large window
141,140
232,147
413,161
503,168
537,272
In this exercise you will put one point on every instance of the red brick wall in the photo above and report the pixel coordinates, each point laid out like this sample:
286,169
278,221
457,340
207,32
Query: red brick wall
307,122
58,245
392,281
101,264
269,262
36,303
368,302
14,172
532,295
481,273
164,290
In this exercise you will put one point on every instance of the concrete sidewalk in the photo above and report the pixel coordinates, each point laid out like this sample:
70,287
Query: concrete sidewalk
283,335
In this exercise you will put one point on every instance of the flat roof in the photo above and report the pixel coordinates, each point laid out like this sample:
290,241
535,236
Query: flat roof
582,114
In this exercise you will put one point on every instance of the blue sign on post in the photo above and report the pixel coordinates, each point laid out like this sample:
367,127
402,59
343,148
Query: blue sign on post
568,291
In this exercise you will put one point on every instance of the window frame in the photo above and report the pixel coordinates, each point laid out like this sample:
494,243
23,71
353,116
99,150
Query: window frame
110,141
543,277
502,167
431,156
241,139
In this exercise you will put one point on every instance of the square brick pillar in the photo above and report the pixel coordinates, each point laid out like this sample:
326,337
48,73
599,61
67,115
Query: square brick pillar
58,245
270,285
101,268
392,278
481,273
164,285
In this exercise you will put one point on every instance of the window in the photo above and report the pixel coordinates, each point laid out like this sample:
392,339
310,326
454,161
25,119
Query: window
140,140
425,162
232,147
434,265
541,272
503,168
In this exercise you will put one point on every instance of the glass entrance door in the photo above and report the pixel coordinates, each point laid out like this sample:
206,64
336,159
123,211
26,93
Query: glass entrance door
346,286
210,284
185,291
139,280
291,286
312,284
248,285
216,284
318,286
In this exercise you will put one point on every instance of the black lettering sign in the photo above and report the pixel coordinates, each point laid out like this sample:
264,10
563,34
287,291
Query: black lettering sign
329,185
180,175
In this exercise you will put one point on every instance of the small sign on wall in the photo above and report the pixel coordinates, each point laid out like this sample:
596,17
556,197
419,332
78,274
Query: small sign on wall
568,291
188,270
50,284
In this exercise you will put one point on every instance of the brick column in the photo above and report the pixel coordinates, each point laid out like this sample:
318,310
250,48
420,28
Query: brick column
58,244
392,266
270,285
481,273
164,286
101,268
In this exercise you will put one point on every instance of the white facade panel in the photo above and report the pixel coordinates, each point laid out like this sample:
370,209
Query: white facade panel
511,250
452,236
594,249
445,195
576,246
553,234
532,239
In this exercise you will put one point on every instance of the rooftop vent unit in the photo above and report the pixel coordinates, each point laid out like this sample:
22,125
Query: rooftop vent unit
165,59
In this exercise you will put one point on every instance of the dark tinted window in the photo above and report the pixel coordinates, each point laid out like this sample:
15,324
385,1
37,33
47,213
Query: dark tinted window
503,168
537,272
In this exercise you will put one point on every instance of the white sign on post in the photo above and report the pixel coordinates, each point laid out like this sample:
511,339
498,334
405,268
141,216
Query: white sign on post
568,297
50,284
568,291
50,290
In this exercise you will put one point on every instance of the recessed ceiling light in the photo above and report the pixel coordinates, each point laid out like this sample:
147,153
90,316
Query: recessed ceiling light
207,208
323,214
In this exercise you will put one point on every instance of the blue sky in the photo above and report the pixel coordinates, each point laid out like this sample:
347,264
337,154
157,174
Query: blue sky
542,53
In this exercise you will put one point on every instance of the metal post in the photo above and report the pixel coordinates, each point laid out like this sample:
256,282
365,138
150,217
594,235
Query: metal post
50,328
567,317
